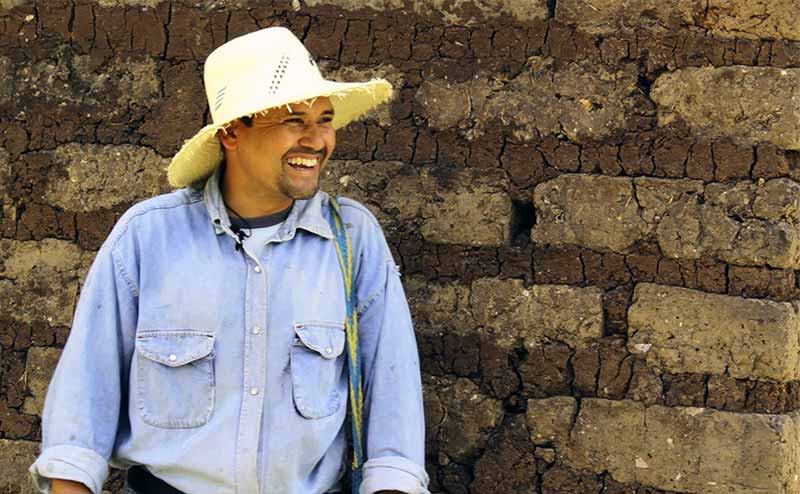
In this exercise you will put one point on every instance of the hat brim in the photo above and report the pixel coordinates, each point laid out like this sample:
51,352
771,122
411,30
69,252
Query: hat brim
201,155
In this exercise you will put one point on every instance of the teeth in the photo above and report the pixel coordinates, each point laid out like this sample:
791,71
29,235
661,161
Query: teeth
308,163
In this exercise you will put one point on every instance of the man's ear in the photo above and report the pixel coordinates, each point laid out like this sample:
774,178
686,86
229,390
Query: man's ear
229,136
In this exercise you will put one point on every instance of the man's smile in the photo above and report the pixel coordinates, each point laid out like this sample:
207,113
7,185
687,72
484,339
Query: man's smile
305,164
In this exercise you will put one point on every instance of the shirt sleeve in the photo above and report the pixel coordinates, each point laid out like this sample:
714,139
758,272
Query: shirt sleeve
84,405
393,408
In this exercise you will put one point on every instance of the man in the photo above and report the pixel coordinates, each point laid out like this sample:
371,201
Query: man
208,351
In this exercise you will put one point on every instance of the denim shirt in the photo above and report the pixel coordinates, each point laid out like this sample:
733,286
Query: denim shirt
225,373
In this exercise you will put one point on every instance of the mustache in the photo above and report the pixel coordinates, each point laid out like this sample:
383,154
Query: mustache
303,150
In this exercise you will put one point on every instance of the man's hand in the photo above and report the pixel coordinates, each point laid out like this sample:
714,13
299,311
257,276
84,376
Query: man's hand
61,486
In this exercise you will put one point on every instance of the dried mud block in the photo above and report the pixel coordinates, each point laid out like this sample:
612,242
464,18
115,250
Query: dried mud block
692,450
39,280
681,330
767,109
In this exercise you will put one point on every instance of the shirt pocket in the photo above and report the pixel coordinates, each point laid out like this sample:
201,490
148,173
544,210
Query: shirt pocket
317,361
175,377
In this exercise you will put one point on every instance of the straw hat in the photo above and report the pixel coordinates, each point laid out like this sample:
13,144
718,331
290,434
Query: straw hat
254,73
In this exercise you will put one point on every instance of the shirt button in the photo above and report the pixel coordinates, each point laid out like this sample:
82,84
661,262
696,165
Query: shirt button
256,329
257,269
173,358
253,391
329,350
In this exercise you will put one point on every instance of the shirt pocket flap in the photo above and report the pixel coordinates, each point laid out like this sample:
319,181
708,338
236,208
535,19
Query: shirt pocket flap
175,348
327,339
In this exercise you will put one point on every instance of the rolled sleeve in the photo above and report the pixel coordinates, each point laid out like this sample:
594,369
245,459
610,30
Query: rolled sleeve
69,463
83,405
393,473
393,409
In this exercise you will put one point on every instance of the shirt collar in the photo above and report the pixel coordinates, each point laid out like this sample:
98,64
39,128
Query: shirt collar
306,214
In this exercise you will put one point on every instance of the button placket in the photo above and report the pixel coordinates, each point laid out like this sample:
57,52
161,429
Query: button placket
254,372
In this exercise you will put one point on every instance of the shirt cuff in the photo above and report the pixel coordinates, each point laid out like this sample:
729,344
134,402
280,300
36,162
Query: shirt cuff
393,473
69,463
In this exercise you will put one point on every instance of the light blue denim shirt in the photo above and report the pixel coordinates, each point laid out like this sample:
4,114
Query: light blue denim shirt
225,373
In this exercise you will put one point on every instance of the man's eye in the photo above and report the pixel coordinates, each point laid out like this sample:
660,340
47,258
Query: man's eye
326,120
294,121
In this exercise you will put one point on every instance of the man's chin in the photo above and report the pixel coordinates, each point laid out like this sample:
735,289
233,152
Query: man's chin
301,194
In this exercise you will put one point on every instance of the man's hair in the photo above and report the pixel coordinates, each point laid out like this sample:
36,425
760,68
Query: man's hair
247,121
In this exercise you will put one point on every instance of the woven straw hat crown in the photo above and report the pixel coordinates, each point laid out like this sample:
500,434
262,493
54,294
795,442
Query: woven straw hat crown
254,73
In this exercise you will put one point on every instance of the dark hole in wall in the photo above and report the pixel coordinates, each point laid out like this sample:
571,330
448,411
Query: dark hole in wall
523,217
793,157
551,8
644,83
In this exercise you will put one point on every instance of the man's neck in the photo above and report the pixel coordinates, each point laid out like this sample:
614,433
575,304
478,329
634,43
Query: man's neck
248,202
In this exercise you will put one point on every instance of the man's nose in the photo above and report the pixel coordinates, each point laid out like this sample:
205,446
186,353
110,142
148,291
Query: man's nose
313,137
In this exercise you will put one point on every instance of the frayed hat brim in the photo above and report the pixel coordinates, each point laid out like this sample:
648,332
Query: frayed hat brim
202,154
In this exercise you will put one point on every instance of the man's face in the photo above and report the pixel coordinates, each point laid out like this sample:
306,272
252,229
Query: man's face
282,154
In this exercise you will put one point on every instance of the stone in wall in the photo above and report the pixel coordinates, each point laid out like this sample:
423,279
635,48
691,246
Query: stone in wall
550,420
681,330
768,19
479,216
581,100
466,208
539,314
5,173
508,312
743,223
128,3
751,104
459,416
39,369
39,280
76,81
10,4
443,103
775,200
7,72
15,458
347,73
690,450
596,212
692,230
453,12
9,213
440,307
362,181
105,176
604,17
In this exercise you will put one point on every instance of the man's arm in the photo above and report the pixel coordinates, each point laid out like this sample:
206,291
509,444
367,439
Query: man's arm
393,408
61,486
82,408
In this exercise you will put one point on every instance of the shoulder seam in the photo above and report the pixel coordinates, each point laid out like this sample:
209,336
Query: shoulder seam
113,247
355,205
130,220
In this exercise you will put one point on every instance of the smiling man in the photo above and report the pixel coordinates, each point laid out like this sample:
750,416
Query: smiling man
230,334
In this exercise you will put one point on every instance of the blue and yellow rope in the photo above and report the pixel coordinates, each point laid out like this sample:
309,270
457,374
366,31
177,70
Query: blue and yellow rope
344,253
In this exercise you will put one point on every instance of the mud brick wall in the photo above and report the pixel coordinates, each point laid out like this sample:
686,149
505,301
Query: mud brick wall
595,205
